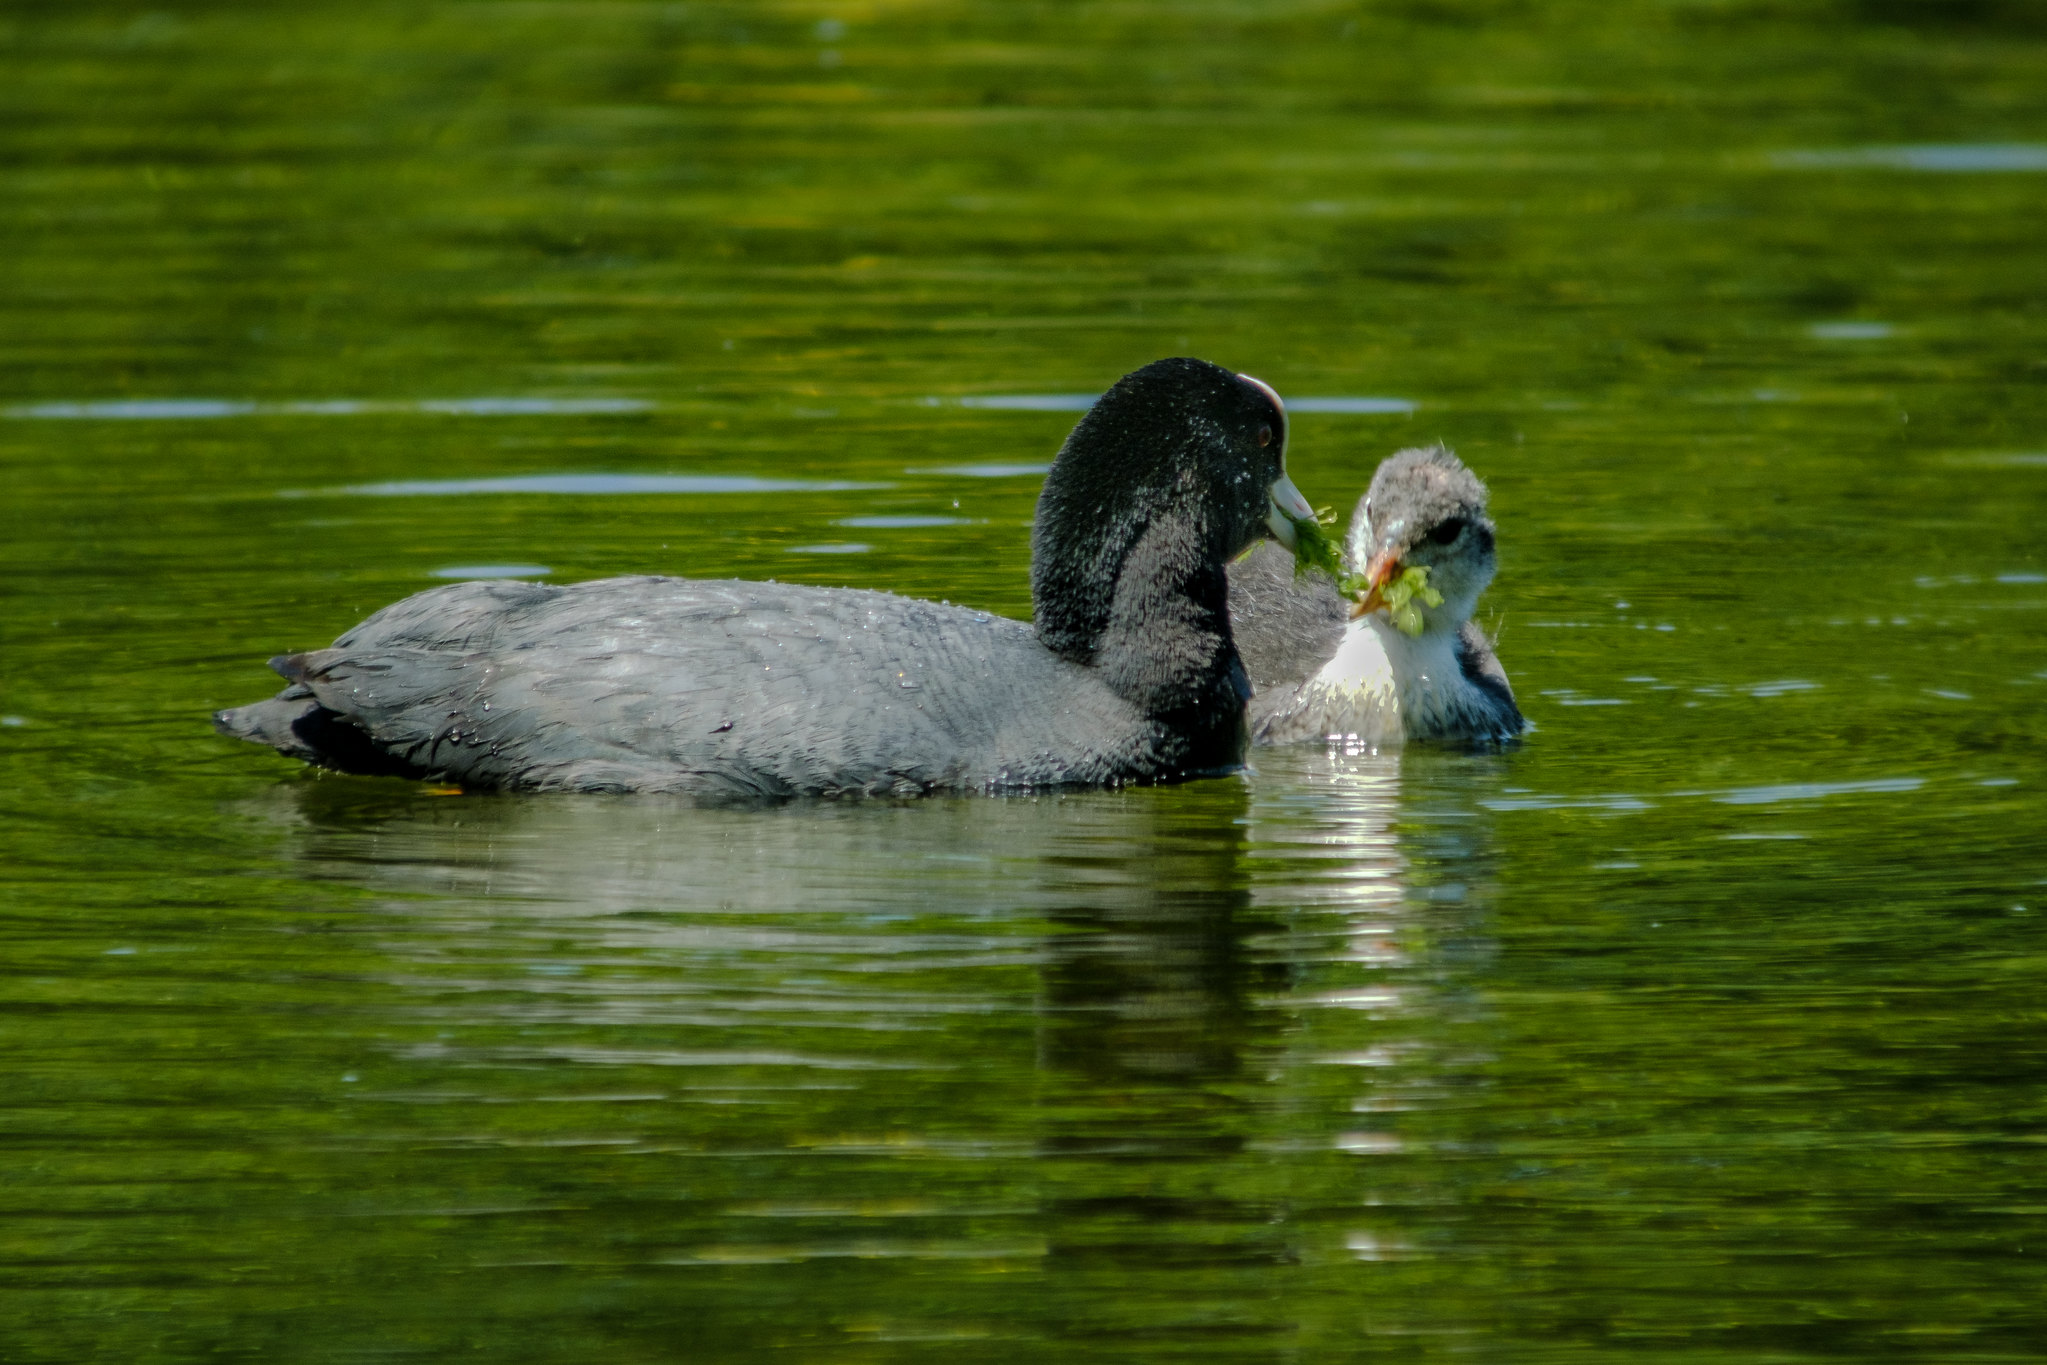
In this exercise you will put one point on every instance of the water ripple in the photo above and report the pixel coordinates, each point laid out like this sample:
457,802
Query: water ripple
1812,791
900,523
1942,158
176,409
493,571
585,484
1349,405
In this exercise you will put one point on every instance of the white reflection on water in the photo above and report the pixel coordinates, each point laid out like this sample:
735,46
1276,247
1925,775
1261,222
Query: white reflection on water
139,409
1814,791
1948,158
864,1250
1331,814
896,523
1738,796
1780,687
493,571
530,407
816,913
1850,331
175,409
1027,997
986,471
1619,801
584,484
1342,405
1025,402
1353,407
2012,459
1322,837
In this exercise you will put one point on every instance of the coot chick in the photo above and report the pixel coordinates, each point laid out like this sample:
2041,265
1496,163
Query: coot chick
742,689
1324,667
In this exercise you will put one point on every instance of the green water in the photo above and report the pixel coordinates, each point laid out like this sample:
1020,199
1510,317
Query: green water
1708,1025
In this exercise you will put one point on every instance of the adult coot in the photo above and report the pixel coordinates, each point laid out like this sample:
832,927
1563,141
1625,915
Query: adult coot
733,688
1326,668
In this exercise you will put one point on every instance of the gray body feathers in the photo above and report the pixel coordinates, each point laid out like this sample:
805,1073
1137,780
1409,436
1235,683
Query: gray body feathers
1286,625
710,687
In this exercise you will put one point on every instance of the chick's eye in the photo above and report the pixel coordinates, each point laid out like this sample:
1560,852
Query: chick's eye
1447,532
1265,436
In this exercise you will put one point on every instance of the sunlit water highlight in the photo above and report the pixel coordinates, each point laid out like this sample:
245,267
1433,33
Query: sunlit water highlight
493,571
1081,402
1950,158
593,485
184,409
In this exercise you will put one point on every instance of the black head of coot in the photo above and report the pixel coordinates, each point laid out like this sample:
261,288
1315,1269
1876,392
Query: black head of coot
1182,457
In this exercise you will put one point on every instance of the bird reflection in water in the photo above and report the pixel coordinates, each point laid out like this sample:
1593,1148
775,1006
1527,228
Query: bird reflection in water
1120,1044
1197,945
1156,1039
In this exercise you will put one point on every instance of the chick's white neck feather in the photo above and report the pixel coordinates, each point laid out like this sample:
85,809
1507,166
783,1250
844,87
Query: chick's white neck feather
1381,687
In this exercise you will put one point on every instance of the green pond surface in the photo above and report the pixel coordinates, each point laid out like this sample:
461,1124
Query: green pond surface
1708,1024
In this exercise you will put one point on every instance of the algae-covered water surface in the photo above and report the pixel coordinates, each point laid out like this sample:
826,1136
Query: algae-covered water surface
1707,1024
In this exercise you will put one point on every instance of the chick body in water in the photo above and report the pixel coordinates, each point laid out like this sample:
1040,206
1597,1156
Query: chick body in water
1320,673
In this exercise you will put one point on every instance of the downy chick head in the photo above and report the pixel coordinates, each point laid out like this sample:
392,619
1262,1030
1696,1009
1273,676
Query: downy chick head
1425,509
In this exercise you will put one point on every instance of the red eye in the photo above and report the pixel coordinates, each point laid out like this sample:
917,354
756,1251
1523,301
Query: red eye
1265,436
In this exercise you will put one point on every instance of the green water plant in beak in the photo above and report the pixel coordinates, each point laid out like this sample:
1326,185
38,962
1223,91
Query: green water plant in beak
1314,548
1399,597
